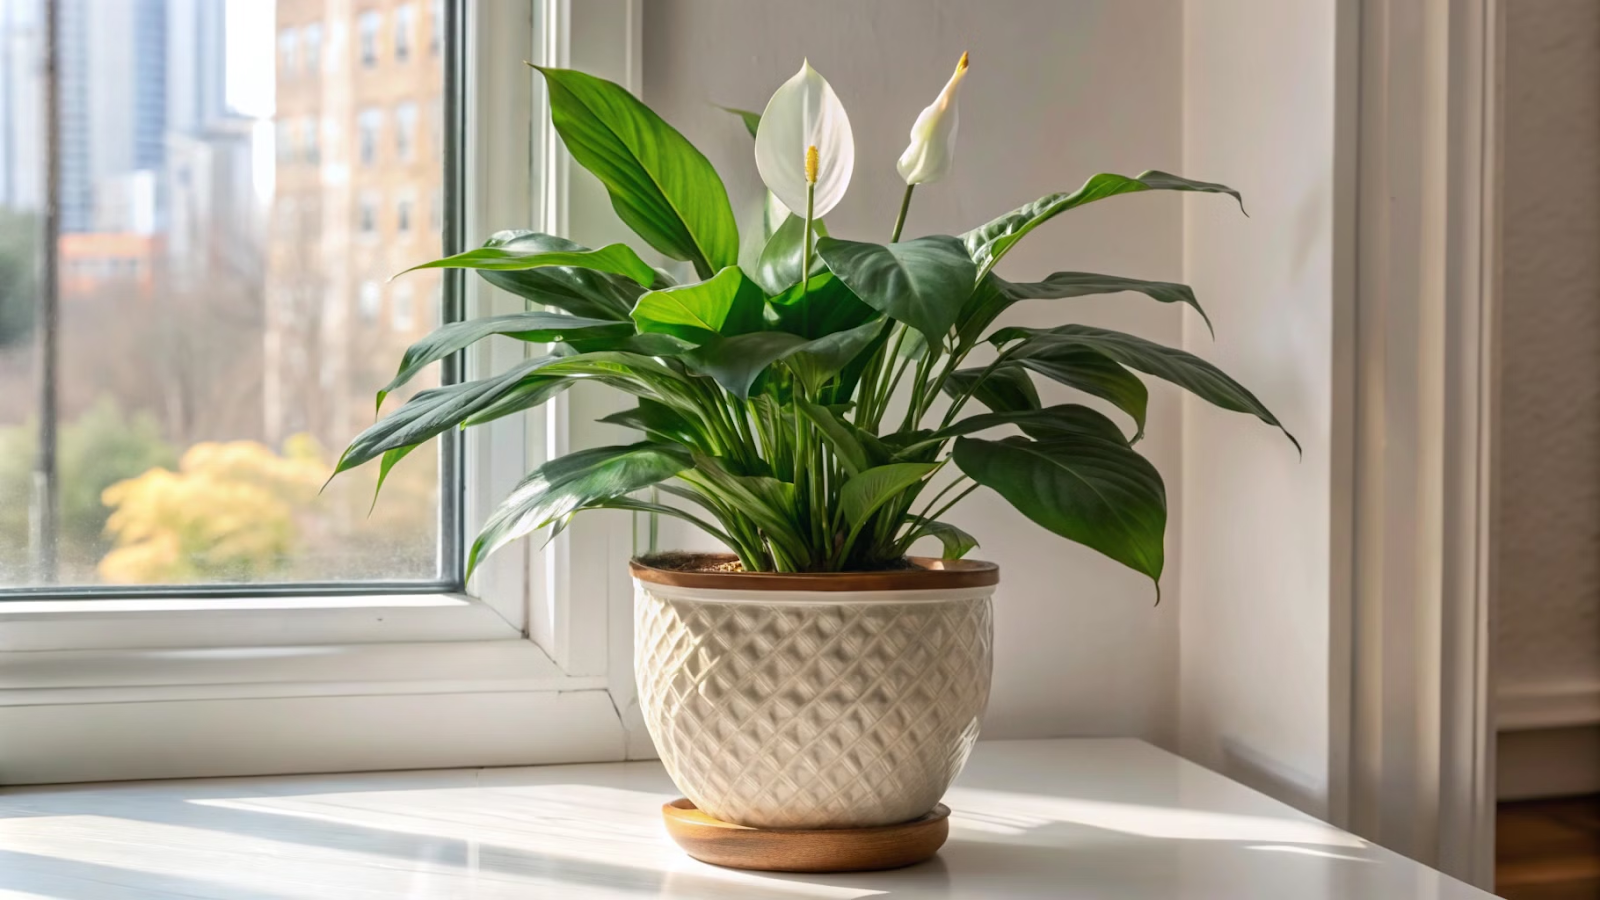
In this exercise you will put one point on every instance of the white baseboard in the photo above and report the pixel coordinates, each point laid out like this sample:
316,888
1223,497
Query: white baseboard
1550,705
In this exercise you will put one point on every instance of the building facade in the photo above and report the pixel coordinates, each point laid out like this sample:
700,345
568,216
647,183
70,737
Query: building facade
359,163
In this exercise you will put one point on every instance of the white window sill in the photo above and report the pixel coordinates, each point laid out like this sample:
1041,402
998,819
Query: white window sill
1046,819
161,622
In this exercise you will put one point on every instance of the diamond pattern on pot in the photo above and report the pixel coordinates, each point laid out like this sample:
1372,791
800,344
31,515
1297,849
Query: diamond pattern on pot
816,714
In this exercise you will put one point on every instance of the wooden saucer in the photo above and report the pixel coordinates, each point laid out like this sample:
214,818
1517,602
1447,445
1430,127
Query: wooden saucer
818,850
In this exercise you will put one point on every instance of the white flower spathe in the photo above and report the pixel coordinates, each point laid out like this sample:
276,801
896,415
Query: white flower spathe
933,137
805,112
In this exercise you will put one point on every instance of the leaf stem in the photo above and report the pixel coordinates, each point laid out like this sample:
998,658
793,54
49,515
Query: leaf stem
900,220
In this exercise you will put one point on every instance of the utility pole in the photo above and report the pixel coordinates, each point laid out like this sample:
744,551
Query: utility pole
44,532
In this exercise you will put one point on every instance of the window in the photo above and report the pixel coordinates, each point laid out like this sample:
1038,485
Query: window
368,123
367,214
288,46
308,136
402,215
435,26
405,131
403,25
403,306
369,301
312,38
195,360
436,213
370,22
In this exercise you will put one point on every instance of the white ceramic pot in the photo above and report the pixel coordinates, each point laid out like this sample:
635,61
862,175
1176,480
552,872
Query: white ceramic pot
814,701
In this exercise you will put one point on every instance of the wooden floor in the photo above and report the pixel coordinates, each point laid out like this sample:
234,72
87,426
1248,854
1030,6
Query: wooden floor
1548,849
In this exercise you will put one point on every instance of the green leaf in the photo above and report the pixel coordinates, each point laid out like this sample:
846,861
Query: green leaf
661,186
840,435
1093,374
1096,492
766,501
617,259
986,304
662,509
434,411
529,393
727,304
1184,369
1063,420
922,283
582,292
814,362
989,243
752,120
390,459
865,492
1006,389
735,362
778,267
537,327
568,483
659,422
826,307
957,543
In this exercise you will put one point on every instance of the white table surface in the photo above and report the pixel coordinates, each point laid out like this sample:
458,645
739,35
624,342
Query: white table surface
1096,819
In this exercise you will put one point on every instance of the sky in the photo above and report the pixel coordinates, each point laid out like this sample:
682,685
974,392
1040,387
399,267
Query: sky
251,44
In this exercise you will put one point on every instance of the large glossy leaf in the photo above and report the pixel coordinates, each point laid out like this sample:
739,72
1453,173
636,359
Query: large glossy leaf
778,267
922,283
1006,389
661,186
582,292
659,422
865,492
434,411
529,393
1184,369
617,259
1093,374
1097,492
1063,420
727,304
567,483
997,294
825,306
990,242
735,362
538,327
814,362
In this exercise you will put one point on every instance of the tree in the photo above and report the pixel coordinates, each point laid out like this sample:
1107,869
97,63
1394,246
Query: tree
19,244
100,448
229,513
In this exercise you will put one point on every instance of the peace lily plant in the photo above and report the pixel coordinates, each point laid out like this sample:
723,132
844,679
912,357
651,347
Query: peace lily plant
822,407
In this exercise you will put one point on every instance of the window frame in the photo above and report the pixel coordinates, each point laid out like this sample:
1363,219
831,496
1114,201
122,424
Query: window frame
529,666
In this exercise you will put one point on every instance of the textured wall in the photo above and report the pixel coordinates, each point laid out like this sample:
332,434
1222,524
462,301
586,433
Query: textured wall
1079,646
1549,576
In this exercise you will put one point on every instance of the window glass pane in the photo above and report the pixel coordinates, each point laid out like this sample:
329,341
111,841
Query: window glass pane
238,181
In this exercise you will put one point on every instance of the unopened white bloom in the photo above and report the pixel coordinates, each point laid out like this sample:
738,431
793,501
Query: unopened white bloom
804,113
933,138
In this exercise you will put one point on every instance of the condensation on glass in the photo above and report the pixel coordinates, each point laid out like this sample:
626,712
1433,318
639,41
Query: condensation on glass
239,180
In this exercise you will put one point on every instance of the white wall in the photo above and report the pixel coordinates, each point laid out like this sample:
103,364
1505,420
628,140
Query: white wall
1253,679
1058,91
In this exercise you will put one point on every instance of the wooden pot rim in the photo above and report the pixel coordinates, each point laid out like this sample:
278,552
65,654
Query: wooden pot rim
928,574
